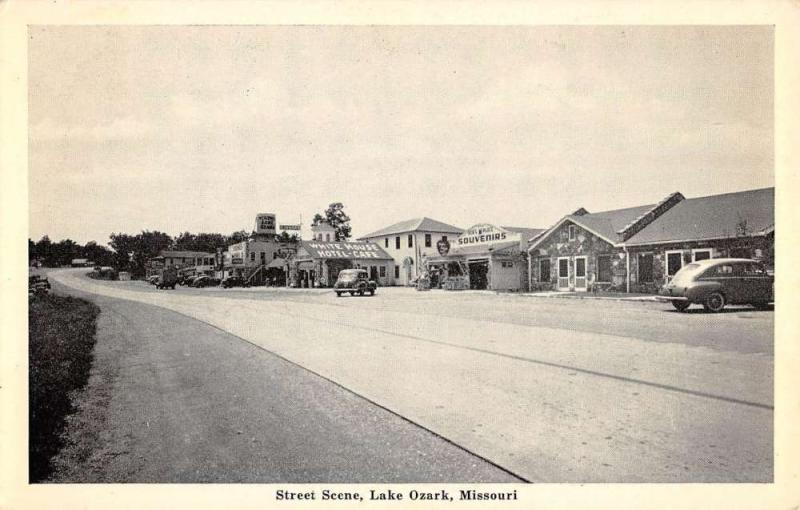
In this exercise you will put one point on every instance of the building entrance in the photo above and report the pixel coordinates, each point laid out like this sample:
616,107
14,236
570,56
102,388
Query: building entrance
479,274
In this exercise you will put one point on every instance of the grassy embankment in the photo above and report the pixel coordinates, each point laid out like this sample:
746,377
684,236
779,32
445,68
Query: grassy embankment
61,332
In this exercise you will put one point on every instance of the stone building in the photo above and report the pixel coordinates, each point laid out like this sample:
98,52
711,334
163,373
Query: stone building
638,249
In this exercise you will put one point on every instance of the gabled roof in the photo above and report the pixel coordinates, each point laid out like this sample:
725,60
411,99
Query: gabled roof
749,212
415,225
604,224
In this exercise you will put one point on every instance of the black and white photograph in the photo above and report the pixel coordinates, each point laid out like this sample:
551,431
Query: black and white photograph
469,259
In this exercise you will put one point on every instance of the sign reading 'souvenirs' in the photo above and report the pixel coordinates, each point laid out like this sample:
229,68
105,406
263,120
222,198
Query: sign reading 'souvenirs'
485,234
345,250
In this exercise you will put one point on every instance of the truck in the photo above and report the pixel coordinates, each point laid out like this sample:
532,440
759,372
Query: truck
167,278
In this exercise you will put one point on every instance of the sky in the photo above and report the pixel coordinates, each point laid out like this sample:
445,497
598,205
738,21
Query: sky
199,128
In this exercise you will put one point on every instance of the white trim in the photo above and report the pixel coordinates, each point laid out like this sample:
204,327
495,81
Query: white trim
698,240
558,273
552,229
585,273
666,261
709,250
572,232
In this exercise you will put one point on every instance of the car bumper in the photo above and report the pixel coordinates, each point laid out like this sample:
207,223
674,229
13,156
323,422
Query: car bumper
667,299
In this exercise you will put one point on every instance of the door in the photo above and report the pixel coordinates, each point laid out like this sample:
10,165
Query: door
563,273
580,273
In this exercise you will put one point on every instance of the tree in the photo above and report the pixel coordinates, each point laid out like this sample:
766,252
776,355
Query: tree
336,217
44,249
237,237
284,237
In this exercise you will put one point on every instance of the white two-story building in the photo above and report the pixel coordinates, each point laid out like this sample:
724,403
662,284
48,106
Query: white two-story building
411,241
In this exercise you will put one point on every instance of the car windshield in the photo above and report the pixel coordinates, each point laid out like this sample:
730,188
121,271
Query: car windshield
347,276
686,274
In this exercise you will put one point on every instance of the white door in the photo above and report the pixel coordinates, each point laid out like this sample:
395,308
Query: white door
563,273
580,273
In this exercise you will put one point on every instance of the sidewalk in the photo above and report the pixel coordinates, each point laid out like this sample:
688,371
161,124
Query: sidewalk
611,296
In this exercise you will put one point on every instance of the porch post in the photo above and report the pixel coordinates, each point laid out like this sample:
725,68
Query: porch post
627,271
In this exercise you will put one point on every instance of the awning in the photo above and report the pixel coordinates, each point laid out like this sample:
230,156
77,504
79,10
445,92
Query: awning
278,263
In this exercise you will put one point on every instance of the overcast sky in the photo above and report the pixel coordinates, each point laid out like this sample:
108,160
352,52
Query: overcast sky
200,128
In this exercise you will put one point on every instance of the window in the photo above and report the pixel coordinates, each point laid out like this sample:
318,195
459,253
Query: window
410,240
604,268
506,263
703,254
580,267
563,268
646,268
544,270
753,269
383,271
397,243
385,242
444,238
327,237
723,270
397,269
572,232
274,255
427,240
252,256
674,262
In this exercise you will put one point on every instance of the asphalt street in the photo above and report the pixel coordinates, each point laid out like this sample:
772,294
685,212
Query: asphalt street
551,390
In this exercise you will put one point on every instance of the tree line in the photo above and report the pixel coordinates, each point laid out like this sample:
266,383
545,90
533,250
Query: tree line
130,252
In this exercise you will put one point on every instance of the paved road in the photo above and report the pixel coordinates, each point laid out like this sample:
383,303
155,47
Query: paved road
536,386
173,399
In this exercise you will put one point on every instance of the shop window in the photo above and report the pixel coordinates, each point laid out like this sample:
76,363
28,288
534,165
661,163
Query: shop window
385,242
572,232
397,270
427,240
604,269
410,240
544,270
383,271
397,242
703,254
646,268
674,262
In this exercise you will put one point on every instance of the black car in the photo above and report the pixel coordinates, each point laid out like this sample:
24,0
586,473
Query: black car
234,281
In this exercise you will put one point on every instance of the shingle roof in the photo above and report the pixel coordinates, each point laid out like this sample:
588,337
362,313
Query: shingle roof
608,223
712,217
527,233
417,224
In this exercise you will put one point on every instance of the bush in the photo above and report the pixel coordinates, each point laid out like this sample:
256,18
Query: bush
61,336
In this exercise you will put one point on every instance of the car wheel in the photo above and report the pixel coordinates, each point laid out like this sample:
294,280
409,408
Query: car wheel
680,305
714,302
338,294
352,293
371,292
361,292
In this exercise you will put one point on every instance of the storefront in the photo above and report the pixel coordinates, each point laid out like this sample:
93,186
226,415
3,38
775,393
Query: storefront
483,257
317,263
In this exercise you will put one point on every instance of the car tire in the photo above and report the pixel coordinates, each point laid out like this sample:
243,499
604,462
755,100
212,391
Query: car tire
714,302
338,294
361,292
352,293
371,292
681,305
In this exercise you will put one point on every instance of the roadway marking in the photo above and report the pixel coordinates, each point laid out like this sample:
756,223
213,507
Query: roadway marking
666,387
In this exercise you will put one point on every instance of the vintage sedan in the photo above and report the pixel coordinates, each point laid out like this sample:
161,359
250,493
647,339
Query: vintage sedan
715,283
354,281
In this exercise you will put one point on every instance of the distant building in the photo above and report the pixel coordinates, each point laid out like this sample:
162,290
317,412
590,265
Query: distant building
409,242
80,263
196,262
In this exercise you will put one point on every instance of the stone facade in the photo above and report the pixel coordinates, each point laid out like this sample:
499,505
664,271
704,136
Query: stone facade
584,244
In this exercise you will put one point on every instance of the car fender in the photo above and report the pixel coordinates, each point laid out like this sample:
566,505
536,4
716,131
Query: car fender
698,291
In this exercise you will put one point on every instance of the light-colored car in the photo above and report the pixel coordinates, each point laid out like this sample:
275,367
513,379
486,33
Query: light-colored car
715,283
354,281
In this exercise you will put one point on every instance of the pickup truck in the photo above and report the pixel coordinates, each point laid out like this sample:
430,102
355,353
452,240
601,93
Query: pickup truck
354,281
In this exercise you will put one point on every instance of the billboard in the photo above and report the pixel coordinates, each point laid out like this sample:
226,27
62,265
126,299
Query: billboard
265,223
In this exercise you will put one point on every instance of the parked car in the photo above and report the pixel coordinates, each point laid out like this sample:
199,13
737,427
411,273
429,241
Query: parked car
187,280
715,283
152,280
234,281
38,280
354,281
167,278
204,281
